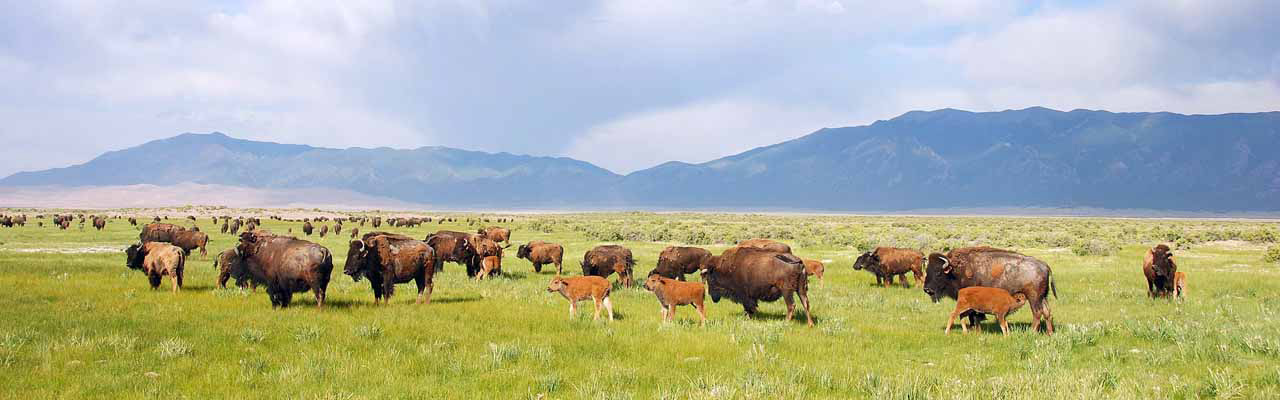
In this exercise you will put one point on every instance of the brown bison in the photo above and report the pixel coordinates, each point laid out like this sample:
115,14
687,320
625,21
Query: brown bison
324,230
672,293
539,252
307,228
815,268
285,265
1159,268
886,262
189,240
227,258
454,247
604,260
133,221
497,234
946,274
1180,283
485,249
157,260
985,300
159,232
581,288
748,275
766,244
99,223
676,261
387,259
355,232
235,227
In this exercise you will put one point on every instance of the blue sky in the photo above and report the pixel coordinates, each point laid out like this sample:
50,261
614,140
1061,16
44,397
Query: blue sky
623,84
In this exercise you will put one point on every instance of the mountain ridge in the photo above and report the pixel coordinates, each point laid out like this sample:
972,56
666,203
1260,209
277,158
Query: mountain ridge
1033,157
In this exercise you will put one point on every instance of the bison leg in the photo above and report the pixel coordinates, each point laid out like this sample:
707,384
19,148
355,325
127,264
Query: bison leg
224,276
177,281
608,306
791,305
537,267
1004,324
423,286
952,321
702,311
804,301
596,301
573,308
286,297
559,271
320,295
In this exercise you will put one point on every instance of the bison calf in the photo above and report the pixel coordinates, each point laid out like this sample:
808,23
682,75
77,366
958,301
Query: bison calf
1179,284
814,268
489,265
581,288
157,260
985,300
672,293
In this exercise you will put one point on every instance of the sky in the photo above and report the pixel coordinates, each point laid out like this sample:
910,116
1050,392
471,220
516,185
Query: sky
625,85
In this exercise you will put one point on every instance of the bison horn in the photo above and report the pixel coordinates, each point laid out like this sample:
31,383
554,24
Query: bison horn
946,265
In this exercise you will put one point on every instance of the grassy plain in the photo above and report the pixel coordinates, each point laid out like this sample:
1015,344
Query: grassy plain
76,323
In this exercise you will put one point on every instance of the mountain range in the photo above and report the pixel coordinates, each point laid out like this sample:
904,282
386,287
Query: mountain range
1034,157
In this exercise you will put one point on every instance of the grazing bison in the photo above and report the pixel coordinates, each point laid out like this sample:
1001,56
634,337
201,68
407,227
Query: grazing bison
235,227
453,247
387,259
604,260
285,265
581,288
324,230
985,300
337,228
189,240
99,223
676,261
748,275
227,258
307,228
133,221
886,262
672,293
766,244
497,234
355,232
377,222
946,274
159,232
1159,269
157,259
539,252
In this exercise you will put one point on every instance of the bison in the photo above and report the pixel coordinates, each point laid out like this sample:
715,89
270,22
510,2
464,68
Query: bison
99,223
676,261
581,288
1159,269
285,265
387,259
497,234
307,228
159,232
539,252
487,260
453,247
815,268
946,274
189,240
672,293
604,260
886,262
986,300
157,260
228,258
748,275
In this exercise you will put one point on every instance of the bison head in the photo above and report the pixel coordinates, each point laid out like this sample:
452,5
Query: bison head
134,255
654,281
523,251
1162,261
355,266
939,279
866,260
557,284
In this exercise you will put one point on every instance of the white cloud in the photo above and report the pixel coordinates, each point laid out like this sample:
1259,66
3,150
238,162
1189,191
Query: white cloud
696,133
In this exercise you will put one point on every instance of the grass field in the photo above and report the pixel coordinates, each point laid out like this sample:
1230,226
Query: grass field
75,322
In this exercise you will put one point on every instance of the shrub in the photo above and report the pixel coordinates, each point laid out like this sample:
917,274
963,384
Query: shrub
1094,247
1273,255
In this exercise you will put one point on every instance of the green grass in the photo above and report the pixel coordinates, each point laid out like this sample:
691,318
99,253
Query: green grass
76,325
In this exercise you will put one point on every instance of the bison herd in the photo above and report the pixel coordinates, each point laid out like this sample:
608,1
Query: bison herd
982,280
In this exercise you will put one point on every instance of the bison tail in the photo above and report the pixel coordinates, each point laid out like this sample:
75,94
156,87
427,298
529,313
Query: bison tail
1053,287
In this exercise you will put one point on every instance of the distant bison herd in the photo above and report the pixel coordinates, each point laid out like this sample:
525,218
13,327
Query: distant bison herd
982,280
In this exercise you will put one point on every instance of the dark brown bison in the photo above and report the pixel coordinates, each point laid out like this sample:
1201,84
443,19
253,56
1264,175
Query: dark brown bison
159,232
539,252
157,260
337,228
99,223
377,222
454,247
946,274
324,230
604,260
225,227
387,259
189,240
307,228
886,262
355,232
497,234
285,265
133,221
226,259
748,275
676,261
1159,268
235,227
766,244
